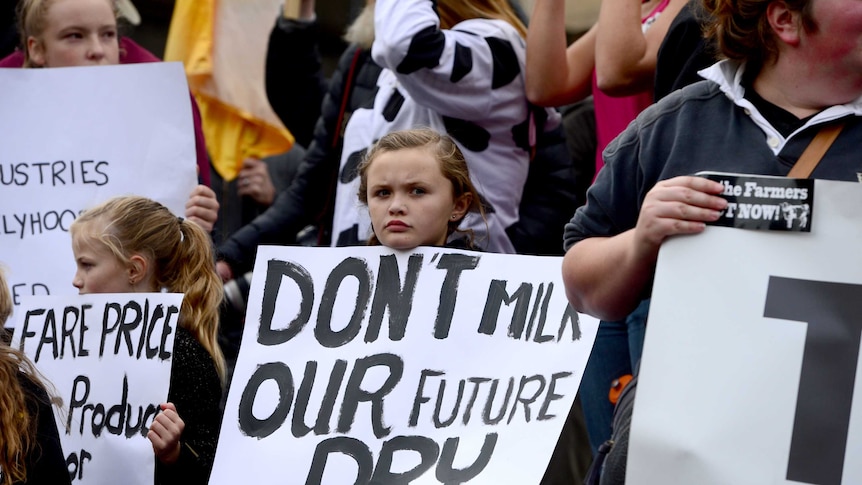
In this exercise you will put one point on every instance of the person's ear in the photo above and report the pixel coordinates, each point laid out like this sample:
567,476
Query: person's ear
786,23
462,205
138,269
36,51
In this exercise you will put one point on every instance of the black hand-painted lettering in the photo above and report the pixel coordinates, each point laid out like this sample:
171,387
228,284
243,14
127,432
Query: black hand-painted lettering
57,169
454,264
449,475
327,404
497,295
275,271
77,402
477,383
130,320
167,330
486,414
345,445
49,335
40,166
570,315
118,411
820,427
354,394
539,336
146,343
107,325
75,464
82,330
249,424
420,397
426,448
441,391
390,294
551,396
25,333
358,269
529,400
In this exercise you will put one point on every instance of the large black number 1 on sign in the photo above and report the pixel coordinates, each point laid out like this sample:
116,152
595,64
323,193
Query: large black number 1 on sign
833,312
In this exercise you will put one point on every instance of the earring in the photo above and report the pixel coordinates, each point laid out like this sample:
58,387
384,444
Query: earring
131,281
454,217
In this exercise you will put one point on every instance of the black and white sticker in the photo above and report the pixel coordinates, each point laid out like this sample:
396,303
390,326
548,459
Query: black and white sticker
765,202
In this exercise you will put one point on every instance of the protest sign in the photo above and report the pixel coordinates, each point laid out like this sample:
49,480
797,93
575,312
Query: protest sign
750,358
366,365
74,137
108,357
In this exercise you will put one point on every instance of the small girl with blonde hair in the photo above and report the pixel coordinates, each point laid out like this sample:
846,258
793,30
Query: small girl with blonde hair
134,244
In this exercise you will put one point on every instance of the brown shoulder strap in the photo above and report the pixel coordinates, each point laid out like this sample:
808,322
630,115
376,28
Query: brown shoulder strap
815,150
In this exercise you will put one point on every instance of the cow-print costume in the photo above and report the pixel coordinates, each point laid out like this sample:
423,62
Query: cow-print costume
468,82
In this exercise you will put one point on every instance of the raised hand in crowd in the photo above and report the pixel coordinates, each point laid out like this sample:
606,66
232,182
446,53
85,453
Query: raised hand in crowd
255,182
202,207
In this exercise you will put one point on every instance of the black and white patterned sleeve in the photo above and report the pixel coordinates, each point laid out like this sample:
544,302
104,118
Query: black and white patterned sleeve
463,72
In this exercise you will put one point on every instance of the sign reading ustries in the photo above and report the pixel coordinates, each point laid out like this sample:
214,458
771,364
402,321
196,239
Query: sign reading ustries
108,357
749,368
364,365
77,136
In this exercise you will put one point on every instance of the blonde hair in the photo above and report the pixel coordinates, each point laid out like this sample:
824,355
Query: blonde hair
361,30
32,18
453,165
453,12
17,423
181,253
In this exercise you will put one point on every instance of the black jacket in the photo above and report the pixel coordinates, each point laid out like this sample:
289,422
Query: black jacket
307,200
46,464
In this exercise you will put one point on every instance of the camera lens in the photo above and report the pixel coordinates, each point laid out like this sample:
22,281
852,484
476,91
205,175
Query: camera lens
236,292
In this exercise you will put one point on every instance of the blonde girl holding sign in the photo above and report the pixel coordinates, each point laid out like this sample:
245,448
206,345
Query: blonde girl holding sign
30,450
65,33
134,244
418,190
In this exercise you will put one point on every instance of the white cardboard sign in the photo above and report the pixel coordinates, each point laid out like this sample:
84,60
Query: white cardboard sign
74,137
108,357
366,365
751,355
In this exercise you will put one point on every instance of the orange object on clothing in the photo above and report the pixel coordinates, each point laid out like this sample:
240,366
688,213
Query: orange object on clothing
617,387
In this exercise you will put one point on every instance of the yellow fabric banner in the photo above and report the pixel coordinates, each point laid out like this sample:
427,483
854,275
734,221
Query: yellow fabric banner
223,46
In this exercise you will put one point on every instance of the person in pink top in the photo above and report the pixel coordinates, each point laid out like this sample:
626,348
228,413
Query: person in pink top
615,62
57,33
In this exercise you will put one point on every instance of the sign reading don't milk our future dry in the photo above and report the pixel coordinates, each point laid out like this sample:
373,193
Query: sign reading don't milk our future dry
366,365
108,358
